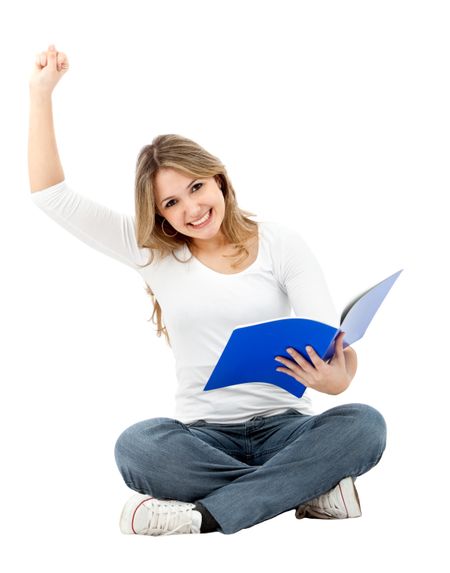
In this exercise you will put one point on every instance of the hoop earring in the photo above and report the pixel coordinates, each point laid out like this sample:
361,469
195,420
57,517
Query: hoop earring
162,229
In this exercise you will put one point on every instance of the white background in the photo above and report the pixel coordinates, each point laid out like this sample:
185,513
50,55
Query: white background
332,117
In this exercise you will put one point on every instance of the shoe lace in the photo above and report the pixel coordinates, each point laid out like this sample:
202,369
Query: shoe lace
166,517
329,503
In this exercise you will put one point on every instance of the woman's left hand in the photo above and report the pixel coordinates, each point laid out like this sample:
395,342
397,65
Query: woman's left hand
331,378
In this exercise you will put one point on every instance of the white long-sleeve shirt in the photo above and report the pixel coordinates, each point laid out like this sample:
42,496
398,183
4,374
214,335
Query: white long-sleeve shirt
200,306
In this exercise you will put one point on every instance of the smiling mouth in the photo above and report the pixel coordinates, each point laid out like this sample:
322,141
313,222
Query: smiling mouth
200,225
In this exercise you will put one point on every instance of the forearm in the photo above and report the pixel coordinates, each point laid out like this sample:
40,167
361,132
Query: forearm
44,165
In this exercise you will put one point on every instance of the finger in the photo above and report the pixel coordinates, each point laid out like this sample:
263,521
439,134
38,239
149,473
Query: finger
61,61
287,363
341,342
315,358
296,376
299,360
291,366
51,57
339,348
43,59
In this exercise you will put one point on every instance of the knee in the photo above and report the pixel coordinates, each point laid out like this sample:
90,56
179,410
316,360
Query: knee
371,429
139,439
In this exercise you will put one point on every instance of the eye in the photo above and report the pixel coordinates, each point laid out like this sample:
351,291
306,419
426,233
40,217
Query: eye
168,204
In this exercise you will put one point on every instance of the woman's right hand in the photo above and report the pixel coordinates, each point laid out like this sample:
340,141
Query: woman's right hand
49,67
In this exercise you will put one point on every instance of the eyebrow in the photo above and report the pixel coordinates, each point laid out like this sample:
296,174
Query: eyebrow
167,198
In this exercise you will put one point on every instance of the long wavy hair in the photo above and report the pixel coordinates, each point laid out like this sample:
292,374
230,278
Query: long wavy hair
178,152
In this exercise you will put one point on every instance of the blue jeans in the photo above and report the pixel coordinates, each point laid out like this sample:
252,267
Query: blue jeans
249,472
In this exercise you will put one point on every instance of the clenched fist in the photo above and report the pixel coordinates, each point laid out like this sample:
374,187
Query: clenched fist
48,69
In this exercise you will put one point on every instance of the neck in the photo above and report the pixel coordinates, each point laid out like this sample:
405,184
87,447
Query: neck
209,246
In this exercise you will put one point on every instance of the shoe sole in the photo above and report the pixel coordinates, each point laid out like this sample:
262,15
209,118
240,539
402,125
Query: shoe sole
129,510
350,497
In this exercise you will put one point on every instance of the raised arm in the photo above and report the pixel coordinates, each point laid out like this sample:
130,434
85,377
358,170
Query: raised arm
44,165
100,227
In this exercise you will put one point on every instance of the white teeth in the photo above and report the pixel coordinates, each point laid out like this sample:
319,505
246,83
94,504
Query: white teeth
202,220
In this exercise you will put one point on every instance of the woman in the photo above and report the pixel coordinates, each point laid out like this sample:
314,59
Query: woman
239,455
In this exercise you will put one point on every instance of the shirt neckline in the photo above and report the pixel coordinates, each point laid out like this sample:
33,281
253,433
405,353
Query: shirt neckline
199,263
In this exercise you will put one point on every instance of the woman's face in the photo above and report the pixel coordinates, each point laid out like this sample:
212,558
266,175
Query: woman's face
183,200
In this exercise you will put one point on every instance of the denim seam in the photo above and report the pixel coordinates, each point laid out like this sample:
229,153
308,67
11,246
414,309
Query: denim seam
269,451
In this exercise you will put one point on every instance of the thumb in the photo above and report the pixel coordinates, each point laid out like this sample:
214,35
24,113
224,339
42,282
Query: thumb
339,347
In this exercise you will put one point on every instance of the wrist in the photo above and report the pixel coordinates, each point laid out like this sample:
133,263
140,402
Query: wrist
351,362
40,94
341,387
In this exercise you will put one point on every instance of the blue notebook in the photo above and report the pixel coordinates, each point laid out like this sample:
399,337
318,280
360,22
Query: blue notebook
249,355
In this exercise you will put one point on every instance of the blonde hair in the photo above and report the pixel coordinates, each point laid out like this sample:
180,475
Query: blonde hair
178,152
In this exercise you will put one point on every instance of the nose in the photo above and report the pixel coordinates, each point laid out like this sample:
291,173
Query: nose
195,212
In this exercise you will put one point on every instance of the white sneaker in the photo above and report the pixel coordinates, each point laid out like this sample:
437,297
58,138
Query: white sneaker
146,515
339,503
